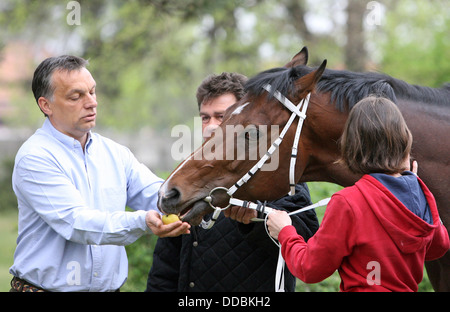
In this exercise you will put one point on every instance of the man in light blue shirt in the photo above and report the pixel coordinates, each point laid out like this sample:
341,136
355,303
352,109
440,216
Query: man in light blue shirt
72,186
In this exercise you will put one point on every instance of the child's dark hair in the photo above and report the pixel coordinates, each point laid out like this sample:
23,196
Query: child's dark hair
376,138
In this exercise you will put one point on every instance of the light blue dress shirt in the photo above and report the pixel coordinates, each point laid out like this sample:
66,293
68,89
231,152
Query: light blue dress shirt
72,220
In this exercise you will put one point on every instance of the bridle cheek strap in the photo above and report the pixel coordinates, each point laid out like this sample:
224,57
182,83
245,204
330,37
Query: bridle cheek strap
292,180
296,112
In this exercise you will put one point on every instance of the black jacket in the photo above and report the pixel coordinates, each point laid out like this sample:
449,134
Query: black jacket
230,256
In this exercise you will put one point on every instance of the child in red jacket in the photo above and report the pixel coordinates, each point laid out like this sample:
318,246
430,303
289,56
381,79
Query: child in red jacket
379,232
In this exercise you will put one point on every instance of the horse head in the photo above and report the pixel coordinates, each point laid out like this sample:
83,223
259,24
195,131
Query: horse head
250,126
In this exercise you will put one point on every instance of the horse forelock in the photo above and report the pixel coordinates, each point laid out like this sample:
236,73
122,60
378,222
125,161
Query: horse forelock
281,79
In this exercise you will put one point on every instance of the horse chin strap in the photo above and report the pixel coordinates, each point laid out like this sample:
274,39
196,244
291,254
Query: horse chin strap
297,111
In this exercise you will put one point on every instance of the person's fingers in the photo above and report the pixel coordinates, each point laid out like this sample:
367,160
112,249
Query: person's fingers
154,222
415,167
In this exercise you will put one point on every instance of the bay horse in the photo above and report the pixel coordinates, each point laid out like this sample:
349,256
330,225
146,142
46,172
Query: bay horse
333,94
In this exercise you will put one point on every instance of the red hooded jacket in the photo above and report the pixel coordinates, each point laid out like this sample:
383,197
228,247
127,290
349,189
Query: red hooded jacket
371,238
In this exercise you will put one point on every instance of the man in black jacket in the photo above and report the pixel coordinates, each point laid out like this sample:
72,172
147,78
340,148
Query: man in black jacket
232,255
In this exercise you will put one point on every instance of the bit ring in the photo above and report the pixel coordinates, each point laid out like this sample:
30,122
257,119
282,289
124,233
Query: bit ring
209,198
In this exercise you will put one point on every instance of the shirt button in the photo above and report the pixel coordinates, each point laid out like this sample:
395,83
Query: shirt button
195,244
191,284
95,274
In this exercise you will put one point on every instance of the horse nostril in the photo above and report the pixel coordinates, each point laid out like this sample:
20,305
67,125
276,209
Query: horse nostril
171,198
173,194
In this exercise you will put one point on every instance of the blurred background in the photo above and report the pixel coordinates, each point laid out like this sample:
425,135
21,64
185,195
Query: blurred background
149,56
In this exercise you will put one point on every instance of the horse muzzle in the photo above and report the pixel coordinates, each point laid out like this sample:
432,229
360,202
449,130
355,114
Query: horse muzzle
168,202
191,211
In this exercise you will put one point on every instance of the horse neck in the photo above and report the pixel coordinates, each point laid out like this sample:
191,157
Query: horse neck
323,127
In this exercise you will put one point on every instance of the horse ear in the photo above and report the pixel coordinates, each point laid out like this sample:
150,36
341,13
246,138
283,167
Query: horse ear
319,71
301,58
309,81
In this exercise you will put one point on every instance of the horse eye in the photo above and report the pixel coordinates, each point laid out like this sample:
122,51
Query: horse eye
252,134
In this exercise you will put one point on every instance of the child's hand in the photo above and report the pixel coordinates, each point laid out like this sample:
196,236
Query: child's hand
276,221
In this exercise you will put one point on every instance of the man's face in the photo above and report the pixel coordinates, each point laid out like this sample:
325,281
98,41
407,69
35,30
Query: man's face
212,112
73,107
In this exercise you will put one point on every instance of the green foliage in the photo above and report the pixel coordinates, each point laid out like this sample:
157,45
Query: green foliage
416,42
140,259
8,201
321,190
8,232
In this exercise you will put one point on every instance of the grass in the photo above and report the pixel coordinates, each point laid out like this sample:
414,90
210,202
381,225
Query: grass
8,233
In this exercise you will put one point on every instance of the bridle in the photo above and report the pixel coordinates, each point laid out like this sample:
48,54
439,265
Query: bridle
296,111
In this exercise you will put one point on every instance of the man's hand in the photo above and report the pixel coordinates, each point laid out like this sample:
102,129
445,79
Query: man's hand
240,214
154,222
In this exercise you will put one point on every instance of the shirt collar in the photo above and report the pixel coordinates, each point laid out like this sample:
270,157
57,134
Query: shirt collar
68,141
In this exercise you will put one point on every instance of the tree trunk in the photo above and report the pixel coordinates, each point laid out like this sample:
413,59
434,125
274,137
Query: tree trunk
355,51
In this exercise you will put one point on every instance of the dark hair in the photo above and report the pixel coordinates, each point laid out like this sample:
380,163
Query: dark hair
42,85
217,85
375,138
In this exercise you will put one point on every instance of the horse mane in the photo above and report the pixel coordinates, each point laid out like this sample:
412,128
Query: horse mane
348,88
